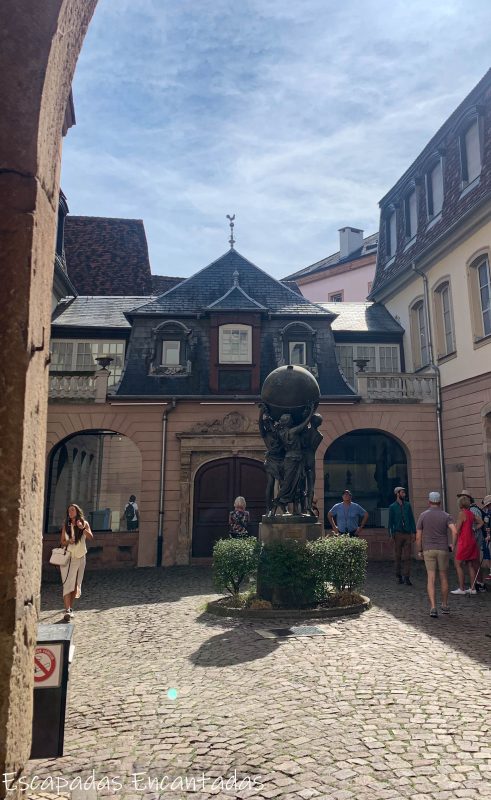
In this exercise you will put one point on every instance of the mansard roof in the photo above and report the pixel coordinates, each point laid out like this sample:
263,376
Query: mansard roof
369,247
212,284
85,311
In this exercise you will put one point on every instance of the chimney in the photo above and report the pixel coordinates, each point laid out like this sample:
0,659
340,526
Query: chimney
350,239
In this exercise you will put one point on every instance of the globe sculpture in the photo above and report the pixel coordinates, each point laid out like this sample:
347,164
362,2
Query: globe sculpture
290,390
290,430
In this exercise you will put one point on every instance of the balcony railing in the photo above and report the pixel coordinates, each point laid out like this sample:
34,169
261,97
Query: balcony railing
399,387
92,388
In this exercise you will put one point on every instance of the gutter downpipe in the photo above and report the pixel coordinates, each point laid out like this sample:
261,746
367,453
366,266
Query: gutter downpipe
160,538
436,370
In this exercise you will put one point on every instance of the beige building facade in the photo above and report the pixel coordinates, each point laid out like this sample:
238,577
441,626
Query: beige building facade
437,283
195,435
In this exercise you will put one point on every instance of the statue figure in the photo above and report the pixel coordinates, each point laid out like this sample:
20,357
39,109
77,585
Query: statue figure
292,485
311,439
275,454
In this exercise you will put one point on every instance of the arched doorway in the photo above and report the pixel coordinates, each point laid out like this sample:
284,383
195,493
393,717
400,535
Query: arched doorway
369,462
98,470
216,485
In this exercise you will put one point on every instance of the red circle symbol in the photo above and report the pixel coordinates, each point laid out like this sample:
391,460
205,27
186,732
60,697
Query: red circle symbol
44,664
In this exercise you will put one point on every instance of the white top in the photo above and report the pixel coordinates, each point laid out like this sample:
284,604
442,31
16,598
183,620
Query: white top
77,549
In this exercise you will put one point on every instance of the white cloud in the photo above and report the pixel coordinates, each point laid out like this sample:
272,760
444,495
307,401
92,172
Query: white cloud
298,117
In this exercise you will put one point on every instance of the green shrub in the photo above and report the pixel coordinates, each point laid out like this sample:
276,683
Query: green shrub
285,573
234,560
340,561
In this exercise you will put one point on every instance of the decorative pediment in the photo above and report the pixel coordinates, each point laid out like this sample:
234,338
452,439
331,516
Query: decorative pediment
231,423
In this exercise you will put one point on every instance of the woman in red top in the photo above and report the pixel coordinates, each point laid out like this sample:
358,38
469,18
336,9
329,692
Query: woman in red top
467,550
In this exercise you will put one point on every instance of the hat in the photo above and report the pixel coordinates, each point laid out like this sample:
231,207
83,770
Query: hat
465,493
348,491
434,497
487,500
399,489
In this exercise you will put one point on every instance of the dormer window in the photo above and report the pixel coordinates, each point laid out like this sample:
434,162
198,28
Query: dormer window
410,214
171,353
298,353
298,345
171,349
391,233
235,344
471,147
434,189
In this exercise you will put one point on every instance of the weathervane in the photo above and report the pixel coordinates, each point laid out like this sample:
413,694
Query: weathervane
231,240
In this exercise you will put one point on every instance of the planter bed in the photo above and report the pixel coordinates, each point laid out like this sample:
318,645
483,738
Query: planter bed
222,608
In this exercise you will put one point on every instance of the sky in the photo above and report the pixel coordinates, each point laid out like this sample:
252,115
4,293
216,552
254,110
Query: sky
296,116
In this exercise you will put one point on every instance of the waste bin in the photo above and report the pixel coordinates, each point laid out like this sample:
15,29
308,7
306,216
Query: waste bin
54,652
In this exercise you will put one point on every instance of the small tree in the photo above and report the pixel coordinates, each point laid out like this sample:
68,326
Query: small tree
285,573
234,560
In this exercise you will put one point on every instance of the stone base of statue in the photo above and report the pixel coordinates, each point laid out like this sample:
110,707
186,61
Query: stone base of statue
284,528
281,528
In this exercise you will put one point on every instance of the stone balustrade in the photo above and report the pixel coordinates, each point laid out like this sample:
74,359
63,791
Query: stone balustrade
92,388
396,387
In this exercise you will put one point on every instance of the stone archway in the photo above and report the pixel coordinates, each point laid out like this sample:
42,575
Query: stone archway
38,54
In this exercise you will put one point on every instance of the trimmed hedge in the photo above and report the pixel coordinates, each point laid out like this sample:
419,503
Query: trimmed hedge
234,560
291,573
340,561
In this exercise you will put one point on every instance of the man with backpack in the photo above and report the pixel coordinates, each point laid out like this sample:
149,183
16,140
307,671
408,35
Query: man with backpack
131,514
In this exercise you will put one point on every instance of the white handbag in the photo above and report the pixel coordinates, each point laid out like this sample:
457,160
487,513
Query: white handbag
59,556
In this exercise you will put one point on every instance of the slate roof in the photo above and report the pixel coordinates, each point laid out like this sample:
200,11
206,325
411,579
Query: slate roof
197,293
162,283
107,256
362,318
95,312
236,300
335,260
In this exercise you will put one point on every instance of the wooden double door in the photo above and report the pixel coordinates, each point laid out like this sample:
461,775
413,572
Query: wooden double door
216,486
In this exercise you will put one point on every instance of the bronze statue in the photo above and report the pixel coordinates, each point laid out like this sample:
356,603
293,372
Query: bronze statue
275,453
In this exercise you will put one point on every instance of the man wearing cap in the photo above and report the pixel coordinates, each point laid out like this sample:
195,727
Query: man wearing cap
402,529
347,517
432,544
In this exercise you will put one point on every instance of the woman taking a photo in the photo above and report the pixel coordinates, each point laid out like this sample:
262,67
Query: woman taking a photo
74,532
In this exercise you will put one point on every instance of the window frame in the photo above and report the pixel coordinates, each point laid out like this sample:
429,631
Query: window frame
331,297
75,368
475,297
242,328
292,343
358,350
418,315
408,231
390,233
474,120
444,347
430,199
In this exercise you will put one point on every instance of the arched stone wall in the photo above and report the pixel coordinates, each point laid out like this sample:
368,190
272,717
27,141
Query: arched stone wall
38,53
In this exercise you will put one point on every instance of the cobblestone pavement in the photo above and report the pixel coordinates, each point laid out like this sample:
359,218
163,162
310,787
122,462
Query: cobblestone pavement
390,704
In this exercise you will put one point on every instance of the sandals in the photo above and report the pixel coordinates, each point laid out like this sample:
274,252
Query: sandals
433,612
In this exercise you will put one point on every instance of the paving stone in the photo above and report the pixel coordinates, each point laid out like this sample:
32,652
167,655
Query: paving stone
378,716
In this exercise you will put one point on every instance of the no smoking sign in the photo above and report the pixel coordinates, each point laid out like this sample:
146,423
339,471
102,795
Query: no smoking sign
47,666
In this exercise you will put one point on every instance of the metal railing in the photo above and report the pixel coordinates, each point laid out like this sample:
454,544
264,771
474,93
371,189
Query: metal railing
402,386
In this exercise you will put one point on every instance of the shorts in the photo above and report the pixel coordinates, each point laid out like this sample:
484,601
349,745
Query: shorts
436,559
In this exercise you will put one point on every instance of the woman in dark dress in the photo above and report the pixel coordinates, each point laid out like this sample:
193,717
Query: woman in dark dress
238,519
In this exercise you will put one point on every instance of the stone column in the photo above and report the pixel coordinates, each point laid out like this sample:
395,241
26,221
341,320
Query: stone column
39,48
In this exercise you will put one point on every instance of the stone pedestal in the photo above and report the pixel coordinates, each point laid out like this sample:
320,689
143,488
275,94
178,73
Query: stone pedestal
289,526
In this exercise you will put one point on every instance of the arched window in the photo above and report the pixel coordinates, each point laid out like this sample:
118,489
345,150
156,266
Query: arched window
480,295
371,464
172,352
100,483
419,334
298,344
444,324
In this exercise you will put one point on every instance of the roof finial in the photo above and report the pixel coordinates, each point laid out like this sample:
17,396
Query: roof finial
231,241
